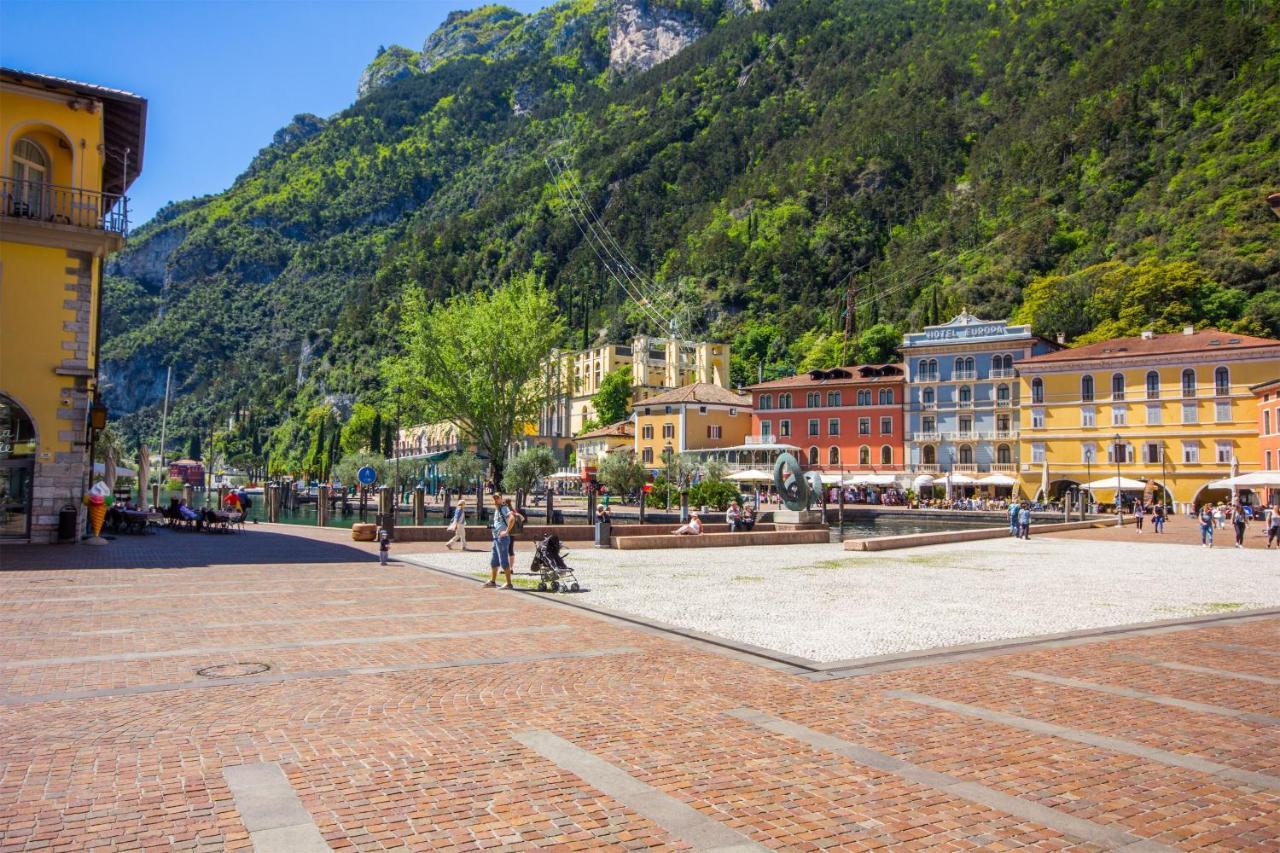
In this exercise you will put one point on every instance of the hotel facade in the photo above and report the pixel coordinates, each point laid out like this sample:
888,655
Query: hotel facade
962,395
1175,410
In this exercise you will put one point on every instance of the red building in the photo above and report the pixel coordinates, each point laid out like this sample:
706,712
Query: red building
842,419
1269,428
189,471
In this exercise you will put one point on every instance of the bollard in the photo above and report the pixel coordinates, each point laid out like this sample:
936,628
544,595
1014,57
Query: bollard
481,514
155,496
591,506
684,507
841,509
322,506
551,494
447,511
419,506
642,507
188,494
387,510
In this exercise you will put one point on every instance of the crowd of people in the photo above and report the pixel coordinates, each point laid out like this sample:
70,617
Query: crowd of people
1238,516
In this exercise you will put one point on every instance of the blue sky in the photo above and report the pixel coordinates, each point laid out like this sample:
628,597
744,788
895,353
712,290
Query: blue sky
221,77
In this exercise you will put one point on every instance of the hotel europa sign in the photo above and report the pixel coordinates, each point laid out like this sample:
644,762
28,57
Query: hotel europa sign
955,333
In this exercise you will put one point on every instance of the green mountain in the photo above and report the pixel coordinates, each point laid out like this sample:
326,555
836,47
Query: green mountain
1092,167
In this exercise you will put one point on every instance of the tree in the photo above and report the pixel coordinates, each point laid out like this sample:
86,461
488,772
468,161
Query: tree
527,468
878,344
461,470
193,446
389,441
622,472
375,433
358,431
474,361
612,400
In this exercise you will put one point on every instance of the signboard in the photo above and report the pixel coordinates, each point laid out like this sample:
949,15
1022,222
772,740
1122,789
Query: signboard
367,475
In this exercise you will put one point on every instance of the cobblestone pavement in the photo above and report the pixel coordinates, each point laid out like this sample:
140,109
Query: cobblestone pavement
406,709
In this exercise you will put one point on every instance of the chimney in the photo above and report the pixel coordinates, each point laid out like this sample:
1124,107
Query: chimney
1062,337
1148,334
1188,330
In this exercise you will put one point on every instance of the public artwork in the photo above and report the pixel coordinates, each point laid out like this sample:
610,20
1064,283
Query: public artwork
98,500
788,479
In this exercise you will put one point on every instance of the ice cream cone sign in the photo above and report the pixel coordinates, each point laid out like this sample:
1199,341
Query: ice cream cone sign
97,500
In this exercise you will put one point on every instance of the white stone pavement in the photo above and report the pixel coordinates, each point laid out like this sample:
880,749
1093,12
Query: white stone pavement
826,604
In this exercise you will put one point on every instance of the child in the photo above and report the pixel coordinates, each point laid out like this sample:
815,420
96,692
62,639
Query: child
384,545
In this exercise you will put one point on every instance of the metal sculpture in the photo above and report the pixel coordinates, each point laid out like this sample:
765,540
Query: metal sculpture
788,479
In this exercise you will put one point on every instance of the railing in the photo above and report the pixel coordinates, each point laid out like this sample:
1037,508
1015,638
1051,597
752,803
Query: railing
924,469
964,375
1004,468
40,202
964,404
1004,404
1001,373
924,436
964,468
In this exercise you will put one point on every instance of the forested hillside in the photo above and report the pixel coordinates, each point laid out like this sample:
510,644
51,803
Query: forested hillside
1089,166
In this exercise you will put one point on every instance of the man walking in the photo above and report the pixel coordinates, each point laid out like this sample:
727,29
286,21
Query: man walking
500,554
1273,526
1013,518
1024,522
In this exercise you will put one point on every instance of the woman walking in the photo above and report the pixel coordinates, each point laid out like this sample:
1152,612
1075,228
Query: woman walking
459,525
1238,521
1206,526
1139,513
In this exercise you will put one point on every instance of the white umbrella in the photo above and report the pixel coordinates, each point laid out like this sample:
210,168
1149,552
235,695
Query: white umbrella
1256,480
921,482
751,475
564,475
830,479
998,480
1111,483
961,479
880,480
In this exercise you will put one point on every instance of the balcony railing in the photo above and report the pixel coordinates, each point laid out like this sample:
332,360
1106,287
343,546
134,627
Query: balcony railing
36,201
1000,373
964,375
1004,468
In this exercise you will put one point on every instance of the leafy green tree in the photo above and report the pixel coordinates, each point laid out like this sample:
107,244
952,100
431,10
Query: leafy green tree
375,433
612,401
622,472
461,470
389,441
193,446
878,344
527,468
358,431
713,493
474,361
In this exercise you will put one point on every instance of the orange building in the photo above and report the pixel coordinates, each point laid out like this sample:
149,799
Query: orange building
701,416
1268,394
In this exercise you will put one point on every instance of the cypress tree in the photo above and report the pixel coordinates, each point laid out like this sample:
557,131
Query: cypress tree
375,433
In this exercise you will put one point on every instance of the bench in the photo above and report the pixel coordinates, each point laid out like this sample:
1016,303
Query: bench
722,540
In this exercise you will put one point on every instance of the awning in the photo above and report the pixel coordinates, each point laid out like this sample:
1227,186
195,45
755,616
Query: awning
958,479
1110,484
882,480
1255,480
923,481
830,479
751,475
998,480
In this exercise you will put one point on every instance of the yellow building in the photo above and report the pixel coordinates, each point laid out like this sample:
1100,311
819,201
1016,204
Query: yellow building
1174,410
71,150
592,447
657,365
701,416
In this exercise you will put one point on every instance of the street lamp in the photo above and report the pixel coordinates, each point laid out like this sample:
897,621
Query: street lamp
1088,470
1118,449
395,448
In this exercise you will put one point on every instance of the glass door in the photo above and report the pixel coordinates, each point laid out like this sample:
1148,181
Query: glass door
15,498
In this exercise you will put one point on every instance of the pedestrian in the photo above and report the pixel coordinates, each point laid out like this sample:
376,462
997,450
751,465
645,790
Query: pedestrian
1273,526
1239,521
458,526
1206,526
1139,513
1219,516
1157,518
517,524
500,553
1024,522
384,545
1014,509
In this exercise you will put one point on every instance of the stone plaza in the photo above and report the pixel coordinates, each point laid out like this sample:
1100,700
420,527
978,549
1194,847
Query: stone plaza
278,690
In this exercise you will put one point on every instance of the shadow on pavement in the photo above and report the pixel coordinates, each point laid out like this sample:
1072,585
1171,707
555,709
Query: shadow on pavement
167,549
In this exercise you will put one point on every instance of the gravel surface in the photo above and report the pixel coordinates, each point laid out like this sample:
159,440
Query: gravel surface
826,604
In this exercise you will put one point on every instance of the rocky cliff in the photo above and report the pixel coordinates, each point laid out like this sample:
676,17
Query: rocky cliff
391,64
642,34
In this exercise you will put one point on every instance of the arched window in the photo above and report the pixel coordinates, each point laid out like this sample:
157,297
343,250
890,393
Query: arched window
1117,386
1037,390
784,401
958,368
864,455
966,454
833,455
766,401
927,396
864,397
1086,388
833,398
30,172
813,456
966,395
1188,383
813,400
1003,456
886,396
1153,385
929,455
933,369
1221,382
886,455
970,365
1002,395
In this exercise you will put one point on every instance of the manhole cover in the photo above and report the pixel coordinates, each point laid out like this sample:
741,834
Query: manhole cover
233,670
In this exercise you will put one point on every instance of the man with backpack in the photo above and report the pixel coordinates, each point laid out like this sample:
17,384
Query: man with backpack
500,554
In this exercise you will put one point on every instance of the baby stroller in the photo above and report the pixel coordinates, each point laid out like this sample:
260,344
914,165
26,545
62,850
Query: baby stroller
549,565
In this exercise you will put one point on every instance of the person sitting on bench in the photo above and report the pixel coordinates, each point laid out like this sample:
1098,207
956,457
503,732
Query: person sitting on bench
693,528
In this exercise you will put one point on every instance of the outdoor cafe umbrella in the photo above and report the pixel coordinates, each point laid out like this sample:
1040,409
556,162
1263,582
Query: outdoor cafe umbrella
751,475
1255,480
144,474
1123,484
921,482
998,480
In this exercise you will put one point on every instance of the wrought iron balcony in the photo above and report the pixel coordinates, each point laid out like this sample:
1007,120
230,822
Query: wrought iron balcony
35,201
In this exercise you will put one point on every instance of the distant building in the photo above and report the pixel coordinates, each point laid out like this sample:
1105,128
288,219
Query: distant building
572,378
1268,397
962,394
1175,410
842,419
701,416
71,151
189,471
592,447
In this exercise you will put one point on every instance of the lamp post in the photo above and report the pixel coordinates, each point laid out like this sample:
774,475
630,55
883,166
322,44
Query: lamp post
1164,479
1088,470
1117,448
395,449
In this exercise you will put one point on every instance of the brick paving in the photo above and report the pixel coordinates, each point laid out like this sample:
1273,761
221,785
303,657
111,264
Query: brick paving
399,719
